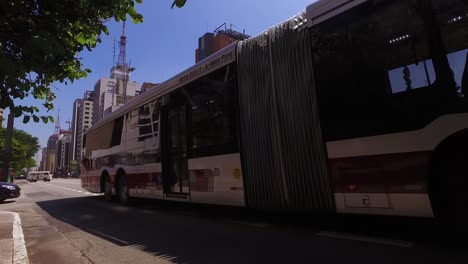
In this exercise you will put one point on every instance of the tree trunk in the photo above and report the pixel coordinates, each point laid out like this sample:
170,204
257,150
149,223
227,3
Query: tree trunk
7,151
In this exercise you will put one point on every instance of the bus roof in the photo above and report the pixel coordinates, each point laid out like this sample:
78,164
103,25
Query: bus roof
219,59
326,9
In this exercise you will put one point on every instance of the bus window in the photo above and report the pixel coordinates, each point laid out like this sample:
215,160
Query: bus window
213,129
156,109
117,131
452,17
412,76
368,63
144,122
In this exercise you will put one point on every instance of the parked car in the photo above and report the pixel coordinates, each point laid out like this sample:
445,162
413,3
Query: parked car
9,191
20,177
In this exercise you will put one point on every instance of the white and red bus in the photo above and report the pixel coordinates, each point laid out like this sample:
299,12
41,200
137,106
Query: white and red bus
353,106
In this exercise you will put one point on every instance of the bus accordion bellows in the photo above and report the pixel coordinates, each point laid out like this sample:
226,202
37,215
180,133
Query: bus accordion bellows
352,106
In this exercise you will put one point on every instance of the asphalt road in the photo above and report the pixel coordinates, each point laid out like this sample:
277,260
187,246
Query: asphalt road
63,223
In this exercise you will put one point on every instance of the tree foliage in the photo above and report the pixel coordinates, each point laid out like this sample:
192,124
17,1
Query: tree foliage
24,147
40,41
179,3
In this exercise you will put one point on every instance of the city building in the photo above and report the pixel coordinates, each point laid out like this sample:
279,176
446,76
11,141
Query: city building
82,120
63,153
147,85
50,160
111,93
42,165
212,42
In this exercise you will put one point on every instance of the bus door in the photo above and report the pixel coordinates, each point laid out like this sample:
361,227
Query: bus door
174,148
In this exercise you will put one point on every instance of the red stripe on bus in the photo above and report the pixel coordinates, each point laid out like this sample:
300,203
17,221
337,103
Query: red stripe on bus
201,180
388,173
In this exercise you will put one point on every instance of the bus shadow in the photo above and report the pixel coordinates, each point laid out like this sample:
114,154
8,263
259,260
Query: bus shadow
178,232
185,233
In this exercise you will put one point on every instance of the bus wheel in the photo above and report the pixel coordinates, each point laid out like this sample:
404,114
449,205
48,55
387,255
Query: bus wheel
123,190
1,198
448,190
107,188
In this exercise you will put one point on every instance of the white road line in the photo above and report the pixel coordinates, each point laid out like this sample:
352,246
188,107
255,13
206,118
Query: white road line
73,190
374,240
20,254
111,237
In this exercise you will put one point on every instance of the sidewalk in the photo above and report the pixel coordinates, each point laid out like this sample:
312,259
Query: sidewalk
12,246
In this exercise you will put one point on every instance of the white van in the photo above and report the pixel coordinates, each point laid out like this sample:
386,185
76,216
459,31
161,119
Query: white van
34,176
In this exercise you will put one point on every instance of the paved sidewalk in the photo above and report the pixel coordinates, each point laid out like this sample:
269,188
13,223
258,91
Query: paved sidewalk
12,246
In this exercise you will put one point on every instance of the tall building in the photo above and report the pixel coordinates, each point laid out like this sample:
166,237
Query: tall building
50,160
42,165
147,85
210,42
111,93
82,120
63,153
109,96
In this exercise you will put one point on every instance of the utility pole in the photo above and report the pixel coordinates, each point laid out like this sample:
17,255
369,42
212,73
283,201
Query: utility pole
69,150
7,151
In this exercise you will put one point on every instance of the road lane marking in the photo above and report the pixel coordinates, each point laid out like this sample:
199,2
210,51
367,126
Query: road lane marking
73,190
398,243
114,239
20,254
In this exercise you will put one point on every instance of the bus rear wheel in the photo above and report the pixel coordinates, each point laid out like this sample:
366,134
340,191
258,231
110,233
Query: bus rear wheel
123,190
448,190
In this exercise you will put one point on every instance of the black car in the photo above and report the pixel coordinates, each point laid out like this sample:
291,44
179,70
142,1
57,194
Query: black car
9,191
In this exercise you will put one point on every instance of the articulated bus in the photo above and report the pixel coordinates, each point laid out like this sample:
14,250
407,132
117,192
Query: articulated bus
352,106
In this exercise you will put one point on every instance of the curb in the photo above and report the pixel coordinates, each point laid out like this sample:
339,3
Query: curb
19,253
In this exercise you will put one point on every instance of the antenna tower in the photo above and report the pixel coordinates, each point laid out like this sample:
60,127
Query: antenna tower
122,60
57,123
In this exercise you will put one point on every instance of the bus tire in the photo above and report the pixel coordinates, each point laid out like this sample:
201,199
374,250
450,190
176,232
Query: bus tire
1,198
448,187
107,187
122,193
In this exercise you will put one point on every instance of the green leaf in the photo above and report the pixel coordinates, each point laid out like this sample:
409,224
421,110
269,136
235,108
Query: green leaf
51,119
131,11
44,119
17,113
36,118
80,38
123,15
117,18
26,119
139,1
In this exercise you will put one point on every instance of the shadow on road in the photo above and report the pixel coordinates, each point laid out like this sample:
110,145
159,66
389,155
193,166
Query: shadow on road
199,234
8,201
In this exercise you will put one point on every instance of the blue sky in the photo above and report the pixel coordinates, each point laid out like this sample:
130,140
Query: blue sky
163,45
